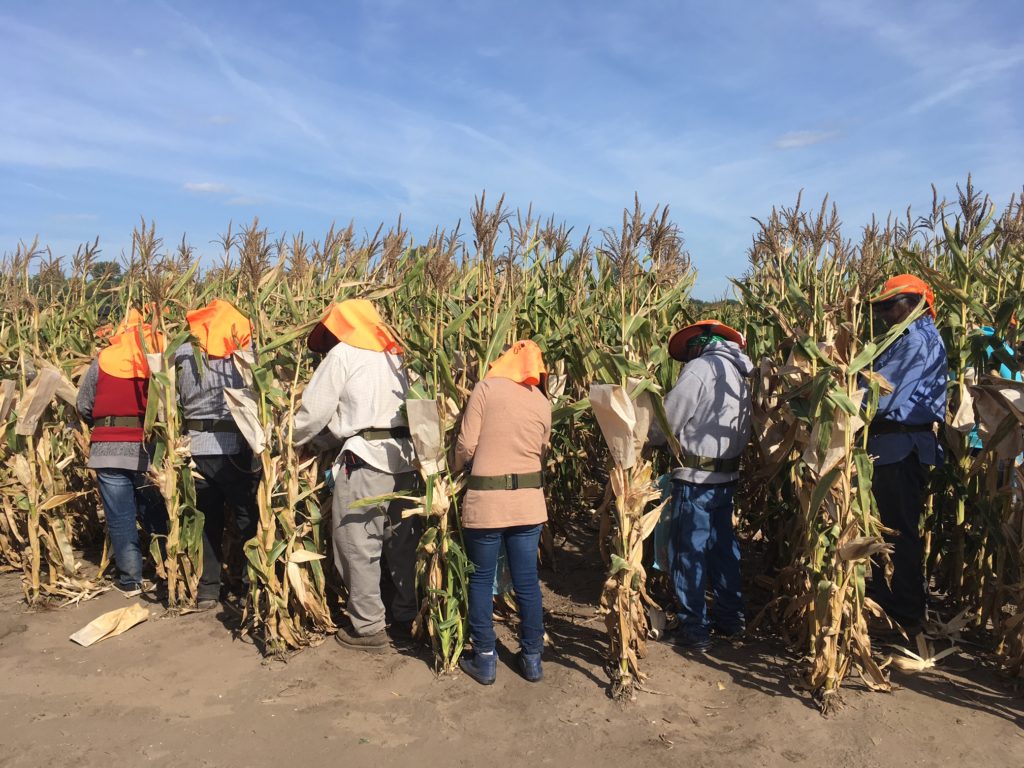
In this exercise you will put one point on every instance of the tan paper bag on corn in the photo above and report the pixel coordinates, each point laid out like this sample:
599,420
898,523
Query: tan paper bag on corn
617,419
425,429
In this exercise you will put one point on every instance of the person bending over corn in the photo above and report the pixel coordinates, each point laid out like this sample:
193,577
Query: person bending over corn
709,414
353,404
902,439
227,475
505,429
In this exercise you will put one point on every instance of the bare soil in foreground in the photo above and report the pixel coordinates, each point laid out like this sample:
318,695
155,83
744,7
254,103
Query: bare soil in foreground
182,691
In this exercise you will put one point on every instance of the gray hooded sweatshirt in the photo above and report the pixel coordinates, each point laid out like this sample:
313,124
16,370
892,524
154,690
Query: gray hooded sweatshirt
709,409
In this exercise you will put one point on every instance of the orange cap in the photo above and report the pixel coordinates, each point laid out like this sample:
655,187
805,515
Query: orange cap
901,284
355,322
125,358
681,338
523,363
219,328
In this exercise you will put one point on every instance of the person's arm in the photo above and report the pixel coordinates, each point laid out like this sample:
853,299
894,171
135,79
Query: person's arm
87,392
903,367
185,372
469,433
320,399
682,399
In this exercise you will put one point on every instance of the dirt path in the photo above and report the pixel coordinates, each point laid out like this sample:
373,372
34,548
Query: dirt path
180,691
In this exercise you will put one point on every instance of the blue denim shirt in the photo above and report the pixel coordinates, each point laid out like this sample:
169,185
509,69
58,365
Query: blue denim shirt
917,368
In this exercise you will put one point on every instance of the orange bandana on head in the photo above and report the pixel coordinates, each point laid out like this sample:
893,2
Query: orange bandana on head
355,322
219,328
125,357
901,284
523,363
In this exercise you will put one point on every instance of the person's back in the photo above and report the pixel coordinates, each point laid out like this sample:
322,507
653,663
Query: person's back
506,427
200,384
709,409
354,390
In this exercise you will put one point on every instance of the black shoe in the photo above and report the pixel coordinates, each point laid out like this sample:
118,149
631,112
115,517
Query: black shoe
401,633
683,640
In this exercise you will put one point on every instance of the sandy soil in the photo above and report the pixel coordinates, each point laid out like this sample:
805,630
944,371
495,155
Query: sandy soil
181,691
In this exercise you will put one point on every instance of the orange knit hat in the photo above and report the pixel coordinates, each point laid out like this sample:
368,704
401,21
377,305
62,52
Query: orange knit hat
901,284
355,322
219,328
523,363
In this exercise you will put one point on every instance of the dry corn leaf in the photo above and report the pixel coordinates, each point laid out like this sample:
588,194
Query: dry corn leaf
863,547
8,394
36,399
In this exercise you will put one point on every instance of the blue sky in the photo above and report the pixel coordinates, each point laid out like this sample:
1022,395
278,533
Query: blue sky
197,113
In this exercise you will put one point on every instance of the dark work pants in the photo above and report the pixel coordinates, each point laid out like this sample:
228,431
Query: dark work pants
228,483
899,491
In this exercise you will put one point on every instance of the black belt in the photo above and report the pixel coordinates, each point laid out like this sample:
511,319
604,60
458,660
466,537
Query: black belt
886,427
710,464
211,425
118,421
390,433
505,482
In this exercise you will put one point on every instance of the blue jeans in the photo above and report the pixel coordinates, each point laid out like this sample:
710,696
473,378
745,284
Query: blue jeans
127,498
482,545
703,549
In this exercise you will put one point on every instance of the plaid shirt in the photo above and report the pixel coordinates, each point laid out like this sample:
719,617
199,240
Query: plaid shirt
201,396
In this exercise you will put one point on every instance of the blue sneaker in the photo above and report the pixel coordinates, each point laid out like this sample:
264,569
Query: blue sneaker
482,667
530,666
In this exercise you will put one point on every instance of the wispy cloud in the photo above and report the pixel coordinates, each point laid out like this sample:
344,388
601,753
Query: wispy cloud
799,139
323,113
205,187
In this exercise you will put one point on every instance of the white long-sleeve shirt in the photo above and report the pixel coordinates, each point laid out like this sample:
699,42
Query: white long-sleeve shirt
351,390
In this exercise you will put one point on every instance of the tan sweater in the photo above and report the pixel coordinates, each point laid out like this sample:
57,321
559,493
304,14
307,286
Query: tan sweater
504,431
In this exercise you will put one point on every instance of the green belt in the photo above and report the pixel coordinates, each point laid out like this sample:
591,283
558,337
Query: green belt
505,482
118,421
211,425
708,464
391,433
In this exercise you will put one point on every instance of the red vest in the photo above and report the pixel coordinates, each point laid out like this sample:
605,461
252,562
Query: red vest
119,397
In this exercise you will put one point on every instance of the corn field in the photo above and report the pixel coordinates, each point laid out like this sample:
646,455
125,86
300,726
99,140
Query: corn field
602,309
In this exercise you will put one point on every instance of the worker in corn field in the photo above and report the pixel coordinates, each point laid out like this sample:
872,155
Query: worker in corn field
227,475
353,405
112,398
708,412
505,430
903,440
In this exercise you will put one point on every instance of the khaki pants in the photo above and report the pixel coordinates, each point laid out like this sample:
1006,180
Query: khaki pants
363,535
